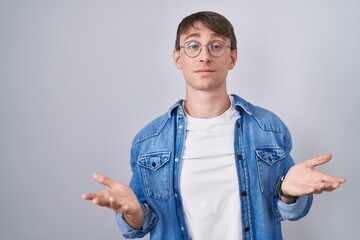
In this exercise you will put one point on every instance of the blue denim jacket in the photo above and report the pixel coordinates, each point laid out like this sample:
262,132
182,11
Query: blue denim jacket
262,147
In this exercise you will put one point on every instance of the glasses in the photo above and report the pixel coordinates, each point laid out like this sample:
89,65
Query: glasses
193,48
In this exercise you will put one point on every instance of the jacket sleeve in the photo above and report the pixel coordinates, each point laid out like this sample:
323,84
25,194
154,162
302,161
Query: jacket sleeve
296,210
130,232
150,216
301,206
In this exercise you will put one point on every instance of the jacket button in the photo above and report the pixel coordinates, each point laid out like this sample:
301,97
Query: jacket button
238,125
244,193
247,229
239,157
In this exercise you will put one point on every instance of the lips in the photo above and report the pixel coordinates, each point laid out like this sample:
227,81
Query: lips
204,70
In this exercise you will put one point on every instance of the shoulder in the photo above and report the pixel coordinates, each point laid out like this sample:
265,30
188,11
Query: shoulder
156,126
151,129
266,119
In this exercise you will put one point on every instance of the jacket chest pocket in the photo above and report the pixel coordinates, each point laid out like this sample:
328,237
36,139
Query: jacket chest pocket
155,174
270,164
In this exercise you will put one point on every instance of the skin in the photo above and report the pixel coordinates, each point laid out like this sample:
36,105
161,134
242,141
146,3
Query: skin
118,197
302,179
207,97
205,75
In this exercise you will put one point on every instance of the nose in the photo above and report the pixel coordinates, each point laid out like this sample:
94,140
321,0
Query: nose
205,55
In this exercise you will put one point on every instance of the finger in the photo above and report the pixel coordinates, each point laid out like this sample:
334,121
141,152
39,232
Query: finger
326,186
333,179
89,196
331,186
318,160
114,205
101,201
102,179
342,180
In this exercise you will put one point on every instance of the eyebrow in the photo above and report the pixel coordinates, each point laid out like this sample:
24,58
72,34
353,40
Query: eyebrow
197,35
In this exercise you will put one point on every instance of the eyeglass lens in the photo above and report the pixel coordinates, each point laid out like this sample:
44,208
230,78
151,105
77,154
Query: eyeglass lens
216,48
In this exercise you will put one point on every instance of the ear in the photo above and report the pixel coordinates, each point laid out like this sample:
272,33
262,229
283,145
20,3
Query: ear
177,59
233,59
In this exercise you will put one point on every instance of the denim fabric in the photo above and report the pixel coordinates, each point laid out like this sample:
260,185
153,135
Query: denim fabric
262,145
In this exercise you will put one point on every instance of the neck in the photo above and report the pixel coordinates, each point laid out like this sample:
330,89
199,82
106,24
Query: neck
205,105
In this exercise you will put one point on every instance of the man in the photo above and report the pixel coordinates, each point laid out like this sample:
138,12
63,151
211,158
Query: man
214,166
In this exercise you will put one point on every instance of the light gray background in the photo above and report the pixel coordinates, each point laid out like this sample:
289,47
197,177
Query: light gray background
79,78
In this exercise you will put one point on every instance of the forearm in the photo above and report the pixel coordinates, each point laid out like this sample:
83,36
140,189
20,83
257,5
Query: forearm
130,231
135,220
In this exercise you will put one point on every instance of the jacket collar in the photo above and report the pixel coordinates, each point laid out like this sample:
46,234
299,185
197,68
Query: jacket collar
239,103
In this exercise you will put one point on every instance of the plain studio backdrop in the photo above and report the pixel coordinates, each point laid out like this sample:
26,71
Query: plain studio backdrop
79,78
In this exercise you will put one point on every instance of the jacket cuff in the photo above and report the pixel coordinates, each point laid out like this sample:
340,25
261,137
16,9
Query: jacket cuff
295,211
129,232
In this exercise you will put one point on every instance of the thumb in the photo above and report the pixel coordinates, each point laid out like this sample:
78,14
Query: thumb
102,179
320,160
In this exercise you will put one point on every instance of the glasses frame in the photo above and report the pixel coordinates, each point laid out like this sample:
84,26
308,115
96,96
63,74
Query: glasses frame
207,46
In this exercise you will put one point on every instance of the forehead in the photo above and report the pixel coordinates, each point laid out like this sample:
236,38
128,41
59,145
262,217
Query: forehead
199,30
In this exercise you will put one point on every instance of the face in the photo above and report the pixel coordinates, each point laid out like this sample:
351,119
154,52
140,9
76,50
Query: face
204,72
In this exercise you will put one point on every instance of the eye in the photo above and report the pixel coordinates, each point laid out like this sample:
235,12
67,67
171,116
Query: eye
216,46
192,46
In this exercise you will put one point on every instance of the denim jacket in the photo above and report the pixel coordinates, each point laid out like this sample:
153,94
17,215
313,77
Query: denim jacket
262,145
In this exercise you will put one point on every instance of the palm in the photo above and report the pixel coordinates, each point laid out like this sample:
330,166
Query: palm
303,179
116,196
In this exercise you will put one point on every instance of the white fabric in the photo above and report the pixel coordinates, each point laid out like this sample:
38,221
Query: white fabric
208,180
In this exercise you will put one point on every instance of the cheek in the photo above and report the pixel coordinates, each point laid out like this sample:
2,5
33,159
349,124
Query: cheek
225,65
229,64
187,66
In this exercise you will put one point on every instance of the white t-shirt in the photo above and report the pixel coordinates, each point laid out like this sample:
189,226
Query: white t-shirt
208,181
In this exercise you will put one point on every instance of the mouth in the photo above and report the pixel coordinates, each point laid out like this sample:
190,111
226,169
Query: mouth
204,70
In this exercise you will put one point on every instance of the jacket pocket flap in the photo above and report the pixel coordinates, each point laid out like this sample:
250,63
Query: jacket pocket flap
154,161
270,155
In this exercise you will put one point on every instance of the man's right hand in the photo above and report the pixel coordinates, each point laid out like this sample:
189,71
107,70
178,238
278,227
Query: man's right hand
118,197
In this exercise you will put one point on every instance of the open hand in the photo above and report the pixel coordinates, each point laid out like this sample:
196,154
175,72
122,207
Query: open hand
118,197
303,179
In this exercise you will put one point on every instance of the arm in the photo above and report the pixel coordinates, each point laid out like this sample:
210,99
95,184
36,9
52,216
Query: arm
301,181
118,197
